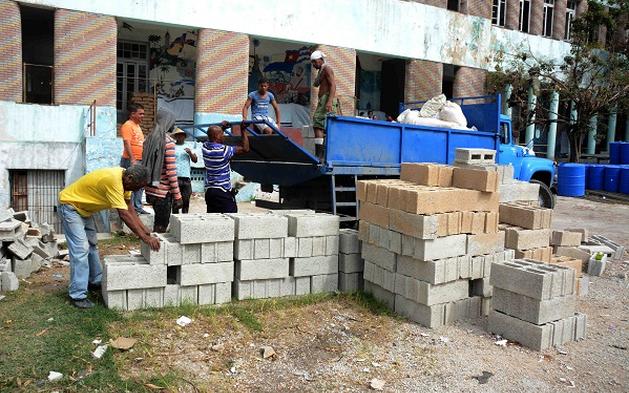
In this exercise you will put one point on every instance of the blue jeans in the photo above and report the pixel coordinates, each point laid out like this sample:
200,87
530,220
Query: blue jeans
80,236
136,195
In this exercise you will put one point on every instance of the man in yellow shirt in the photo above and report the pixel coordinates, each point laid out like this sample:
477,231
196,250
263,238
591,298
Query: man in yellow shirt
107,188
133,141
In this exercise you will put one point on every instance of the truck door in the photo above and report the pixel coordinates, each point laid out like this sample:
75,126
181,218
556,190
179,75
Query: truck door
509,153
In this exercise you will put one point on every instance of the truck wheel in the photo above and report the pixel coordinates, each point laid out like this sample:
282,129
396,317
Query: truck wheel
546,197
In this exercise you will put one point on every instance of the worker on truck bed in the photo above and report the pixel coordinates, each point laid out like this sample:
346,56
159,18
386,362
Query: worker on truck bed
327,98
259,102
219,196
102,189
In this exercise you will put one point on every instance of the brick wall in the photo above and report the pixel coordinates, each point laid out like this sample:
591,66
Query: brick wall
436,3
11,49
343,62
513,15
480,8
147,100
537,17
559,19
85,58
469,82
423,80
582,6
222,72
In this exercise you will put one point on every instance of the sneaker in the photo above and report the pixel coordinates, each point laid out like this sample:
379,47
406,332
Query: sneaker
94,287
83,303
143,212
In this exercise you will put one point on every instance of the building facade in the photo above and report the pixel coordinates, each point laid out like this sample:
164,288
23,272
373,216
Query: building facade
70,67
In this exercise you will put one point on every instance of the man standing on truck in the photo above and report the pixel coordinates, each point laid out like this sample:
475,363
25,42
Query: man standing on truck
259,102
328,103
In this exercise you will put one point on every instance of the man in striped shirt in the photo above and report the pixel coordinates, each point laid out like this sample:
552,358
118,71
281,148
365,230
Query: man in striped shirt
216,156
163,195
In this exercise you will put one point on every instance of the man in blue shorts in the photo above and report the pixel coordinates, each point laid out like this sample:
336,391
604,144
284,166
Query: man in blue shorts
259,102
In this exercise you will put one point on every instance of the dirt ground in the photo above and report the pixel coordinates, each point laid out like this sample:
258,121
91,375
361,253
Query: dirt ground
338,344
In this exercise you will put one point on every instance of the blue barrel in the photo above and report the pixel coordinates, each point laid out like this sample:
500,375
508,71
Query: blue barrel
571,180
624,153
624,180
614,152
612,178
595,177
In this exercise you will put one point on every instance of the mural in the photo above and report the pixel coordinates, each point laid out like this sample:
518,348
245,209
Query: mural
288,74
369,90
172,64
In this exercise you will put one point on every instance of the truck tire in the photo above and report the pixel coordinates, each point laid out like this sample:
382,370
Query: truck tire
546,197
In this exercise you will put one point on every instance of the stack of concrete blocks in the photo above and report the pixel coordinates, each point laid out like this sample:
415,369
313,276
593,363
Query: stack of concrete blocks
24,246
195,265
351,263
315,267
430,239
527,230
583,280
262,249
535,304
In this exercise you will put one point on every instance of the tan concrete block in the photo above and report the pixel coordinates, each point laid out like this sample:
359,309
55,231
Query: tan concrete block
442,225
372,192
542,254
423,174
485,243
573,263
454,223
382,194
374,214
467,219
363,231
473,179
361,190
526,239
573,252
417,226
491,222
478,223
566,239
525,216
395,201
445,175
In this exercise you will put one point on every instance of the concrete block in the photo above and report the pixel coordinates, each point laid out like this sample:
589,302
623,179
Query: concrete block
126,273
426,174
485,243
172,249
518,191
23,268
5,265
217,252
153,297
259,225
202,228
542,254
485,306
507,174
473,179
572,263
312,266
533,279
331,245
383,258
429,294
350,282
481,287
135,299
45,250
276,248
583,285
290,247
302,286
304,247
218,293
350,263
262,289
380,294
443,247
10,229
188,294
361,189
379,276
435,272
9,281
525,216
154,257
491,222
20,249
583,231
565,238
438,315
324,283
594,249
363,231
537,337
6,214
534,310
468,308
348,241
205,273
261,248
191,254
304,225
318,245
475,156
573,252
171,295
261,269
374,214
433,200
525,239
596,265
116,300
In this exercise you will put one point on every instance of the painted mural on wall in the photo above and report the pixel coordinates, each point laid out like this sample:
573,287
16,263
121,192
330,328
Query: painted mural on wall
172,64
369,87
288,74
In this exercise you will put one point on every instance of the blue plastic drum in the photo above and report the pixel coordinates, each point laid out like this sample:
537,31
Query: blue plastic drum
571,180
624,153
624,180
612,178
595,177
614,152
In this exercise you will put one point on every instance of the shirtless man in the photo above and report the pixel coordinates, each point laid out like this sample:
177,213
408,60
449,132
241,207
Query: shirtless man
327,98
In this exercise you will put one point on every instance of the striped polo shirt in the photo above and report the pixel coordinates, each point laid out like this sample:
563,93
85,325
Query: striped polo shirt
168,180
216,157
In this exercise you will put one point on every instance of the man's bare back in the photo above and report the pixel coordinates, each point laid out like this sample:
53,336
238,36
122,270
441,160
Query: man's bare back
327,78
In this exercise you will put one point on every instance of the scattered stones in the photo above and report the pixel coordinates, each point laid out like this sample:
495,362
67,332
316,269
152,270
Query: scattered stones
267,352
377,384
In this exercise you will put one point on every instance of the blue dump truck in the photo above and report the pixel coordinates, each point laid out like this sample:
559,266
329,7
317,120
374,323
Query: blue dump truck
359,148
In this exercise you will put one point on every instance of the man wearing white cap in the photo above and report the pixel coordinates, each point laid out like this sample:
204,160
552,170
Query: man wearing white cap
327,98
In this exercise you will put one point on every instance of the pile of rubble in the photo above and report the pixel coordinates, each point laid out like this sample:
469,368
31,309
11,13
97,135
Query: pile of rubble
26,247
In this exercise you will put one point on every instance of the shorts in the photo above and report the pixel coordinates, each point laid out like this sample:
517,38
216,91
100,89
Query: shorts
320,114
262,126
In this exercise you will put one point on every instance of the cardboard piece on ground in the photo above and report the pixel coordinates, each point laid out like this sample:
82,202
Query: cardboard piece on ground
123,343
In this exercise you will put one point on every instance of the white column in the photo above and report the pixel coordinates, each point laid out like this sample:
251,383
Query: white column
505,100
552,127
591,146
611,126
530,129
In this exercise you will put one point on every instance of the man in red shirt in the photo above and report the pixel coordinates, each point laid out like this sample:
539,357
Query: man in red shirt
133,140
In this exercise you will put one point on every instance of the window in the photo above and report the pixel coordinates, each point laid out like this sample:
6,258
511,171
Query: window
37,191
453,5
499,12
571,12
525,15
37,54
131,71
549,7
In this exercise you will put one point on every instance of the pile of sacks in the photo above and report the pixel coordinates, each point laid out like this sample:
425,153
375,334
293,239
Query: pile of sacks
436,112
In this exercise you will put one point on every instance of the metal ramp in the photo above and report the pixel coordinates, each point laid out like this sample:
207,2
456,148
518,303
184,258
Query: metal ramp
343,197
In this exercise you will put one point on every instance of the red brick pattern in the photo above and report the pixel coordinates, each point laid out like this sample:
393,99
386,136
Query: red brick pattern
469,82
582,6
513,15
11,50
435,3
85,58
480,8
537,17
343,62
423,80
559,19
222,72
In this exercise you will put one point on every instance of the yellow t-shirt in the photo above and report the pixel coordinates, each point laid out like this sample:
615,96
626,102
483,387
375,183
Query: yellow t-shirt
98,190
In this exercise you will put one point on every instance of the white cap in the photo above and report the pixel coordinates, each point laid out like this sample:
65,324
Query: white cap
316,55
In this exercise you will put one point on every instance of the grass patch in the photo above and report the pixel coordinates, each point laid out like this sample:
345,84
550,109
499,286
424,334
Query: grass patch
120,239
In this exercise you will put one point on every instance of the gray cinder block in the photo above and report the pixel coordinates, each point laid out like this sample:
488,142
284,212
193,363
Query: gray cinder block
217,293
217,252
351,263
261,289
383,258
380,294
348,241
115,299
173,250
155,257
259,225
443,247
312,266
534,310
261,269
433,272
534,279
128,274
566,238
429,294
481,287
379,276
304,225
20,249
191,253
475,156
206,273
202,228
9,282
324,283
350,282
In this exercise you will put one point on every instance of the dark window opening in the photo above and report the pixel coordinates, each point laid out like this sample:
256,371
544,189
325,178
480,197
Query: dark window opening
453,5
447,80
525,13
37,54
